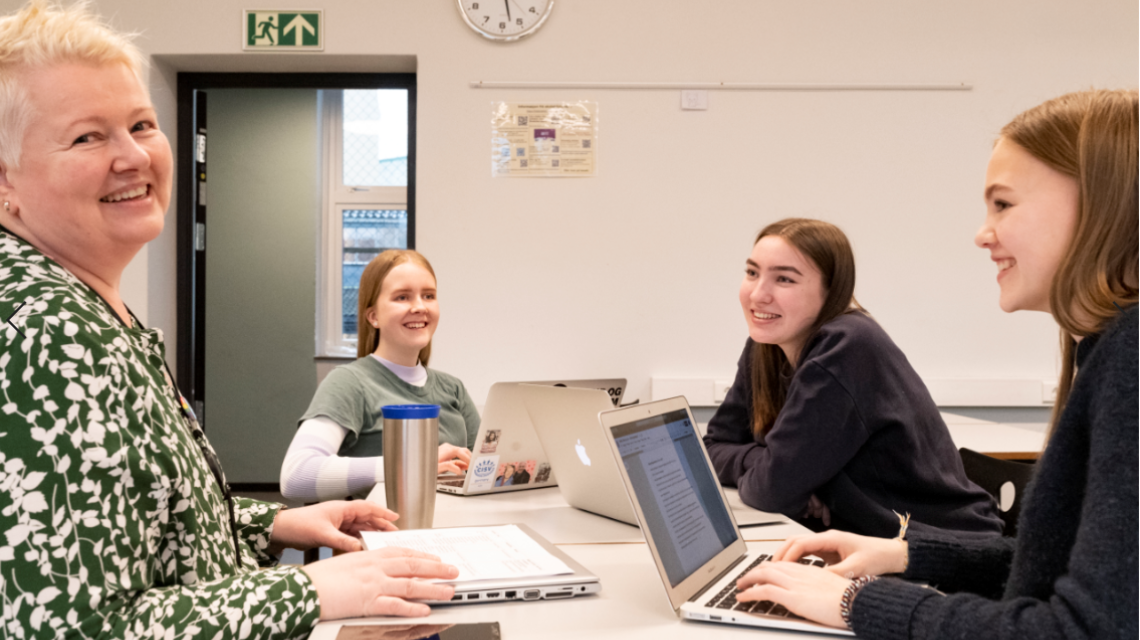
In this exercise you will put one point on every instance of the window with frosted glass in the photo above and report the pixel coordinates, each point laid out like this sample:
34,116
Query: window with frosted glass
375,143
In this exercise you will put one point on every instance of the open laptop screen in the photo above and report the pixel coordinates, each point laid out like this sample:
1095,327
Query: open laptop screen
678,495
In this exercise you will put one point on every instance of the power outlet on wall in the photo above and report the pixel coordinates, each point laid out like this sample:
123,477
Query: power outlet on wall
720,390
694,100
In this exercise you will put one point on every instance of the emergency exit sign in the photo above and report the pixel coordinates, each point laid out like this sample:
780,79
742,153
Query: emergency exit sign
290,30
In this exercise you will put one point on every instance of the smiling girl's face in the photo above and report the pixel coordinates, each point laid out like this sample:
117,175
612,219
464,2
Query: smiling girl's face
1031,217
406,312
781,294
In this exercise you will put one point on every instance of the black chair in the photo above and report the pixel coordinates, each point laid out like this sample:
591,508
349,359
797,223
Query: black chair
311,555
993,474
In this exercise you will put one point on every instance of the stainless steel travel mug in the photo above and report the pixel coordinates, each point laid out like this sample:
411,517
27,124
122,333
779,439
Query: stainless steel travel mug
411,462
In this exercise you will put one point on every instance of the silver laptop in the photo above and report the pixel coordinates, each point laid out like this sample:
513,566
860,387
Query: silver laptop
506,454
686,520
566,421
579,582
614,387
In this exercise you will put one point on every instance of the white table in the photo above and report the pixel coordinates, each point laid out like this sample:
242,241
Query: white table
1020,441
1007,441
546,512
631,605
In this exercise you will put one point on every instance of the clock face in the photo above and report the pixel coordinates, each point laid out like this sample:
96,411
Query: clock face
505,19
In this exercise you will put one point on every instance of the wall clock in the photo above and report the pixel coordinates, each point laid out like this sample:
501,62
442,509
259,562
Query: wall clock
505,20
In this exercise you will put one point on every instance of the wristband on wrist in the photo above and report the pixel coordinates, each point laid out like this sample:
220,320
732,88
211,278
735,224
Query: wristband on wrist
849,597
904,522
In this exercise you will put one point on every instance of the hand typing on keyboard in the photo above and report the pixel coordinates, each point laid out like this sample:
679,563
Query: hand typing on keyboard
849,555
727,599
803,588
453,459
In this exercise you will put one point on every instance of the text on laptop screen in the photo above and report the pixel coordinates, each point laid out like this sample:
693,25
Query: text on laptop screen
676,490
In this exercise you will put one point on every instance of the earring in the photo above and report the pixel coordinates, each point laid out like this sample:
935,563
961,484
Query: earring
7,206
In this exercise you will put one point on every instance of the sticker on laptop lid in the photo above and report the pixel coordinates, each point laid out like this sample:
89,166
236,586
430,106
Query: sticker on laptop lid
490,441
522,473
483,473
543,472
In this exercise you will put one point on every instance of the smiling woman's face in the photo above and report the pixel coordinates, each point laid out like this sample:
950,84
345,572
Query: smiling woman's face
94,178
1031,216
406,313
782,294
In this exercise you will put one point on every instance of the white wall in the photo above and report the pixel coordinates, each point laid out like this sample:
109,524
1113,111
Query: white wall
634,272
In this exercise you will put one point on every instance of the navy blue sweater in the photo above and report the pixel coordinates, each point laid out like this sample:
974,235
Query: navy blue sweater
1072,570
860,431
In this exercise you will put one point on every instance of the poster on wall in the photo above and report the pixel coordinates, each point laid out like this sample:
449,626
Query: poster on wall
550,139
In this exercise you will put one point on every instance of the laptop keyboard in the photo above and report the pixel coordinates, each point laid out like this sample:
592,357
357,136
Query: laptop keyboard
457,482
726,599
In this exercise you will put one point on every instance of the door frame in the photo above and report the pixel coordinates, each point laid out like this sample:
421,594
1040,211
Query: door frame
191,312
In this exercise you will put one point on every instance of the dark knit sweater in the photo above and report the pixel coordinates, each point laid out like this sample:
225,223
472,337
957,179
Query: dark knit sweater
1072,571
860,431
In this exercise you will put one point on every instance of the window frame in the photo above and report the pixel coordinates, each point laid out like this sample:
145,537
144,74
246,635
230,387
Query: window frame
337,197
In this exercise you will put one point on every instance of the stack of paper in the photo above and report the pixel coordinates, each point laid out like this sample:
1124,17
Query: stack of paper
481,553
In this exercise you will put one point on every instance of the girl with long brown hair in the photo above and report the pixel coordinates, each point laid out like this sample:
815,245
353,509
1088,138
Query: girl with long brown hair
1061,227
337,451
826,421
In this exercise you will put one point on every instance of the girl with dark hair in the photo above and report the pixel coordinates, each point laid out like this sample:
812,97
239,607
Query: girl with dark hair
826,421
337,451
1061,227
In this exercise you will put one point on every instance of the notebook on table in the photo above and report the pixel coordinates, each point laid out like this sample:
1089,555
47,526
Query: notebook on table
687,522
496,563
507,454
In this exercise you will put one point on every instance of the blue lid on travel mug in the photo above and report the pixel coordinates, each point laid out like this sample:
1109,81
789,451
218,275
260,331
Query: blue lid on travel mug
410,411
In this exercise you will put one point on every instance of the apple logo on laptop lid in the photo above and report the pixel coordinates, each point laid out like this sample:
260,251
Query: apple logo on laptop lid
582,453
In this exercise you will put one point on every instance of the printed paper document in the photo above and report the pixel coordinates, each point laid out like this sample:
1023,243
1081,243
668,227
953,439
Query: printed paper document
481,553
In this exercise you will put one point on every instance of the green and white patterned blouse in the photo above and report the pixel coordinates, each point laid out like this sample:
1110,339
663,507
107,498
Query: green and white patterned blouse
111,523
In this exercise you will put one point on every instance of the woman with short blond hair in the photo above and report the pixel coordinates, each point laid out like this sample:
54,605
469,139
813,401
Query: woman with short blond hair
116,515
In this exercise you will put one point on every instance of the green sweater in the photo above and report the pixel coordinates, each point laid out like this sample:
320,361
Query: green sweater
352,396
113,524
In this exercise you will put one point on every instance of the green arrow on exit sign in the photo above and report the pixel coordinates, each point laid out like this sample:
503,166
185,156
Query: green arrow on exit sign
292,30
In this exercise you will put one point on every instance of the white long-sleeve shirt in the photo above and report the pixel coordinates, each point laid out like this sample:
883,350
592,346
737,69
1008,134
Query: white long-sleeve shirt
312,470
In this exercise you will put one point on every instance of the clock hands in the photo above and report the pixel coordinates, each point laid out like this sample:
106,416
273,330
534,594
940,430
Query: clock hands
510,23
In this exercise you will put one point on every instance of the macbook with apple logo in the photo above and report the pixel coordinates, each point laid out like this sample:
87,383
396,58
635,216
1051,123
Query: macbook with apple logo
566,422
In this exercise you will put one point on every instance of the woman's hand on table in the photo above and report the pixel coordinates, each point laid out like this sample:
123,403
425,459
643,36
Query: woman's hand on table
454,459
335,524
805,590
379,583
848,555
